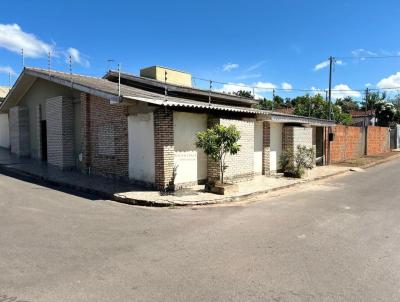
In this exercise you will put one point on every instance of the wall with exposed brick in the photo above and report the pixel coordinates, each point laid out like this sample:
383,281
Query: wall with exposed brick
60,132
240,165
293,136
378,140
19,131
348,143
163,146
266,147
104,137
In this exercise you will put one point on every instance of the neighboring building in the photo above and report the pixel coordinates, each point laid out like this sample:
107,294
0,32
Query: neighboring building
4,130
145,129
362,118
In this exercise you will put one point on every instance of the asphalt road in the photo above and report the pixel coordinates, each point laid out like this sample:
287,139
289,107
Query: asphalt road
336,240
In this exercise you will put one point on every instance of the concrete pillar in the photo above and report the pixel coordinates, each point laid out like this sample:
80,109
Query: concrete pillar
19,131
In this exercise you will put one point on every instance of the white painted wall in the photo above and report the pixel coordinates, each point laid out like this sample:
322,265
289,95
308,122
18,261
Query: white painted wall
276,146
141,147
191,163
258,146
4,131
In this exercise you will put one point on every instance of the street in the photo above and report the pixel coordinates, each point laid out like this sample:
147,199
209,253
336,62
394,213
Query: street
333,240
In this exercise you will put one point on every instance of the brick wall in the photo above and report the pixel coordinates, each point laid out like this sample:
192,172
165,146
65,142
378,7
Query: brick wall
19,131
378,140
60,132
296,136
266,148
163,146
349,143
104,137
241,165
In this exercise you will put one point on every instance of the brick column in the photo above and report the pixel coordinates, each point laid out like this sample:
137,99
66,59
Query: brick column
85,131
19,131
266,148
60,132
163,146
38,131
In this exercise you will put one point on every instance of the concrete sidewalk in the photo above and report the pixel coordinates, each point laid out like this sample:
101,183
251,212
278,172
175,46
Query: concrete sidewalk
132,194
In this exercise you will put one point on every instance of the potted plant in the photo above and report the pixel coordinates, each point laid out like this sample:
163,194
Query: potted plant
217,142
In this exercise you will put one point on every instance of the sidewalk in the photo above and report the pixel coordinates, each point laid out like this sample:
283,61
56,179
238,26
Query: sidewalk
133,194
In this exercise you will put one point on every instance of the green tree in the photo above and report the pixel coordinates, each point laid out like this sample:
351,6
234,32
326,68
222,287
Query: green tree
385,113
316,106
277,103
373,98
217,142
347,104
244,94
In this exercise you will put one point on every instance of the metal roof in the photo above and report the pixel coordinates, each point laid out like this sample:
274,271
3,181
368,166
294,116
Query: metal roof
109,90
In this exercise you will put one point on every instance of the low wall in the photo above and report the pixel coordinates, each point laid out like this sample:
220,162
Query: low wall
4,131
349,142
378,140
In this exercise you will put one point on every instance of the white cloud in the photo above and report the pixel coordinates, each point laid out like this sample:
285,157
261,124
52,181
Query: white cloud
255,66
76,57
325,64
286,86
361,52
7,70
13,38
230,66
343,90
368,85
339,91
249,76
260,88
391,81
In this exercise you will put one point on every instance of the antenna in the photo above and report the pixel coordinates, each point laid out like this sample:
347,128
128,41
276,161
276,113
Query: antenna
9,79
165,84
23,59
209,94
70,64
109,61
49,63
119,79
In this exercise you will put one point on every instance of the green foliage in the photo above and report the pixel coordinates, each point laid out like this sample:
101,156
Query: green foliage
294,164
385,113
277,103
347,104
217,142
244,94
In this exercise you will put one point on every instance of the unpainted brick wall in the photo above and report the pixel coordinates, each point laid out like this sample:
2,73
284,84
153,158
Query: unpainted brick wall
378,140
60,133
240,165
19,131
349,143
104,158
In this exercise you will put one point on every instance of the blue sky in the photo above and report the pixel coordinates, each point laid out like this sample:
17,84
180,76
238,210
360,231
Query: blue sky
264,43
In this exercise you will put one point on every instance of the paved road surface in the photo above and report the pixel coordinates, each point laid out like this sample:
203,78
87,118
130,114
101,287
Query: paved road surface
337,240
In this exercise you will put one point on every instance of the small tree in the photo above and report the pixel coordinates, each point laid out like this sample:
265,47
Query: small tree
217,142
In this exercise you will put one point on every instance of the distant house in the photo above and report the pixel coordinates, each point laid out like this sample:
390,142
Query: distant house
4,134
145,128
362,118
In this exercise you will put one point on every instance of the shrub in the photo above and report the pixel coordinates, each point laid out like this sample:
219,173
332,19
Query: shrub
294,164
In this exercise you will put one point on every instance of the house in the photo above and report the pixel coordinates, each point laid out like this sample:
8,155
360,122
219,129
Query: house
362,118
4,135
143,128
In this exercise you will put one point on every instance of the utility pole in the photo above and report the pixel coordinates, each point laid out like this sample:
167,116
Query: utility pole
331,60
273,99
366,107
119,79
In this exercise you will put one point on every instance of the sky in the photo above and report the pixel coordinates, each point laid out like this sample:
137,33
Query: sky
281,44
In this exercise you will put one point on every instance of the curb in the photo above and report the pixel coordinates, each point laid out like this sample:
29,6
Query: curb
12,172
